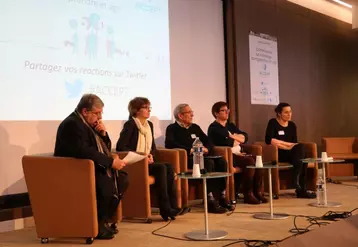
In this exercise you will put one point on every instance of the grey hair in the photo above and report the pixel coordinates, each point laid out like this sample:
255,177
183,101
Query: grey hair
179,109
88,101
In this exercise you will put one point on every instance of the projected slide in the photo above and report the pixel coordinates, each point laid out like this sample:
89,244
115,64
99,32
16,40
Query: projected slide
51,52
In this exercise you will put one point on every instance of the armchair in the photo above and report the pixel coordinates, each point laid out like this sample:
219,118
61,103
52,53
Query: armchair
341,148
139,199
192,189
62,193
282,177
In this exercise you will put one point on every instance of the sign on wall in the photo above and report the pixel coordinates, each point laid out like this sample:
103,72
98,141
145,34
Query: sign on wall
263,69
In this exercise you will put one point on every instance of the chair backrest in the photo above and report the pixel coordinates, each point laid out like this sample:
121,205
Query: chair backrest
338,145
62,194
269,152
355,145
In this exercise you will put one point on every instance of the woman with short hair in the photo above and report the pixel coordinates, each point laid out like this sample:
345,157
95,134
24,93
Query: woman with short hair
137,135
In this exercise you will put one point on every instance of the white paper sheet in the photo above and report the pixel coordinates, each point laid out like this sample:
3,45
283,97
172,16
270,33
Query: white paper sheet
133,157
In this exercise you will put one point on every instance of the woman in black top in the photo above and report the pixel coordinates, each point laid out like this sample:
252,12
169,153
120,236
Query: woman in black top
223,133
137,135
282,133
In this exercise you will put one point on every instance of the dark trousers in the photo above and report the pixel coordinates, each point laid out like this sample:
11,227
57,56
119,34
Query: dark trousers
294,156
164,185
217,185
108,195
252,178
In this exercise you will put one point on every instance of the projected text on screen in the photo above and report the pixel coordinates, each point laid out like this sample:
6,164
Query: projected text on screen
52,52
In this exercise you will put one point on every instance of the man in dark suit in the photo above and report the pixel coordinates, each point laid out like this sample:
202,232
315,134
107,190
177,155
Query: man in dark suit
83,135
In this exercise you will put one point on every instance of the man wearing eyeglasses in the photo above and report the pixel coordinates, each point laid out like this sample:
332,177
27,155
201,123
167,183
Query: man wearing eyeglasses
182,134
83,135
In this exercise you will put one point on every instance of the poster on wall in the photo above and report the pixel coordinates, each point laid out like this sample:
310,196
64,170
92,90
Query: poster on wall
263,69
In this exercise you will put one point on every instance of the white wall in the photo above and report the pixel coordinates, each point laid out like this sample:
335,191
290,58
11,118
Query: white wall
197,74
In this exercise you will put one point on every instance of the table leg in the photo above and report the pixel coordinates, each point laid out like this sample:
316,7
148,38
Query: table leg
271,215
270,188
206,234
324,183
206,218
327,204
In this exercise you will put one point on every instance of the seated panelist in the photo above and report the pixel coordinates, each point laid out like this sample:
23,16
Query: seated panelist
137,135
282,133
83,135
182,134
223,133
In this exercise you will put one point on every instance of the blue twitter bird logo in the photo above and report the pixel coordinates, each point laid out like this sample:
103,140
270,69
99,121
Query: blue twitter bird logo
74,89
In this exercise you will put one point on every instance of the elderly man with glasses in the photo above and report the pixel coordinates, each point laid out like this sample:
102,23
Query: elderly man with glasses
182,134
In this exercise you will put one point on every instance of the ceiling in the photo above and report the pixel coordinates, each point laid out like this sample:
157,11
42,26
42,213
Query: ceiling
328,7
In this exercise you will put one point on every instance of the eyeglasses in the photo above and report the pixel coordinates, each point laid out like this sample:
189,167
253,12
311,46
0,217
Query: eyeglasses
146,107
98,114
190,112
225,110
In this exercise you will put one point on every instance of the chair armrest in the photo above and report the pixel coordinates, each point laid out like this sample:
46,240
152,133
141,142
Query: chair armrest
137,195
355,146
221,151
251,149
169,156
226,153
310,148
183,159
269,152
138,171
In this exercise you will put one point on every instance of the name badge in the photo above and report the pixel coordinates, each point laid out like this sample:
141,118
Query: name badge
281,133
193,136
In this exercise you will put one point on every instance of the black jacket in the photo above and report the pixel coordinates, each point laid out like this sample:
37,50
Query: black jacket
219,134
75,139
128,138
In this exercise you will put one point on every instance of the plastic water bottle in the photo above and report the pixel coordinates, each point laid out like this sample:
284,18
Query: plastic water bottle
198,153
320,191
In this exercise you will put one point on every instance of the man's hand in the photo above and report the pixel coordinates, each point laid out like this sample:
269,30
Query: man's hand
118,164
150,159
101,128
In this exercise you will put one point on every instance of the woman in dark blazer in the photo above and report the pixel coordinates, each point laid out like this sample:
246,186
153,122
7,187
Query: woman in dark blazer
223,133
137,135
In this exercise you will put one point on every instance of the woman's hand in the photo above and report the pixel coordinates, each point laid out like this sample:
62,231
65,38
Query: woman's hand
282,144
240,138
150,159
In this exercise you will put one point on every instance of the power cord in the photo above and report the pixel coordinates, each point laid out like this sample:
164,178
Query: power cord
333,216
154,232
254,243
232,211
313,220
319,221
